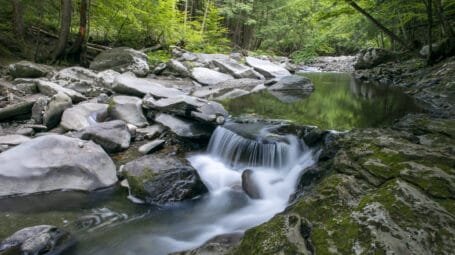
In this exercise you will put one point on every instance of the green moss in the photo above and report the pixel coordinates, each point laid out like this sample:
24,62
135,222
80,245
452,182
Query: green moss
136,183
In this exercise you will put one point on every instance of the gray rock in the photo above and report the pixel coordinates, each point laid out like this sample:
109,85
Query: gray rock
177,67
160,179
267,68
58,104
235,69
106,78
83,115
13,139
49,89
38,109
75,74
184,128
129,85
187,106
209,77
26,69
55,162
128,109
18,109
249,185
224,87
43,239
292,88
113,136
207,59
151,146
122,60
28,86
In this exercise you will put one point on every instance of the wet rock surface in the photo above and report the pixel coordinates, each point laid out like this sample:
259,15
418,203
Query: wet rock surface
161,179
122,60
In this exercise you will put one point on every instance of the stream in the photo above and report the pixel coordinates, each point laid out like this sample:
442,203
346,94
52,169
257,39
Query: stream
106,222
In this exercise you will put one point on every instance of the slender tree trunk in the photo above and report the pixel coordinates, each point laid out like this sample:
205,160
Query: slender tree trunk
79,46
204,21
18,19
389,33
448,30
65,25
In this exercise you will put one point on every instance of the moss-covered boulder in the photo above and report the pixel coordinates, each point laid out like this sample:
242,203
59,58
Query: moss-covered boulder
386,191
161,179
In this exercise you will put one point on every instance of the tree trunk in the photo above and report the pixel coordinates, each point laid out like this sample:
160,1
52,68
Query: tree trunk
18,19
389,33
80,46
204,20
65,26
448,31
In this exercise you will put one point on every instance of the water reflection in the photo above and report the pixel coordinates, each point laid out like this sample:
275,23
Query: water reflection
339,102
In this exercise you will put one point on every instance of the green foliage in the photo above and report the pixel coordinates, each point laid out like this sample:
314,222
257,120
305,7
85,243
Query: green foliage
159,56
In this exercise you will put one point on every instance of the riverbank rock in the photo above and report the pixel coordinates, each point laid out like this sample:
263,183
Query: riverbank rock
209,77
20,109
160,179
49,89
151,146
54,110
289,89
387,191
122,60
127,84
249,185
83,115
26,69
113,136
237,70
267,68
43,239
55,162
371,57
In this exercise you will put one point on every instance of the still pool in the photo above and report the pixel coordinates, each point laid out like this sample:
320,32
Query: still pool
339,102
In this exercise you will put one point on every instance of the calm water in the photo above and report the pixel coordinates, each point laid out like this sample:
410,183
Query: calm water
338,103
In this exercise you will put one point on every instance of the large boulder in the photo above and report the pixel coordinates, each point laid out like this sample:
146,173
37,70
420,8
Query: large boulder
55,162
209,77
83,115
42,239
160,179
128,109
57,105
122,60
129,85
292,88
26,69
184,128
371,57
113,136
267,68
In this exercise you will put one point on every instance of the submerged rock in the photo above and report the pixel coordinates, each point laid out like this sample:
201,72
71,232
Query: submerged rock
122,60
43,239
55,162
160,179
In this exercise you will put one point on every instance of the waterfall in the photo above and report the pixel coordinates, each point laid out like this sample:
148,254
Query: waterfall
240,152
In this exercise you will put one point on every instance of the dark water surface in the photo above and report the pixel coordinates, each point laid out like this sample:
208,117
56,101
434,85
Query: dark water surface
338,103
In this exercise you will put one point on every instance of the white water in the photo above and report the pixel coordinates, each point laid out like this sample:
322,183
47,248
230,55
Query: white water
222,175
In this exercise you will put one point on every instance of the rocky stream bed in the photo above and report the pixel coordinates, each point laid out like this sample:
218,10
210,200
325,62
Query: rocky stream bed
87,140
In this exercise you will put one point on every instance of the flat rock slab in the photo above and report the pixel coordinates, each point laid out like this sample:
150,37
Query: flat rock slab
83,115
235,69
209,77
55,162
151,146
267,68
184,128
129,85
50,88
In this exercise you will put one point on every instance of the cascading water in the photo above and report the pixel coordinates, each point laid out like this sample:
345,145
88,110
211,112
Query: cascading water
276,162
